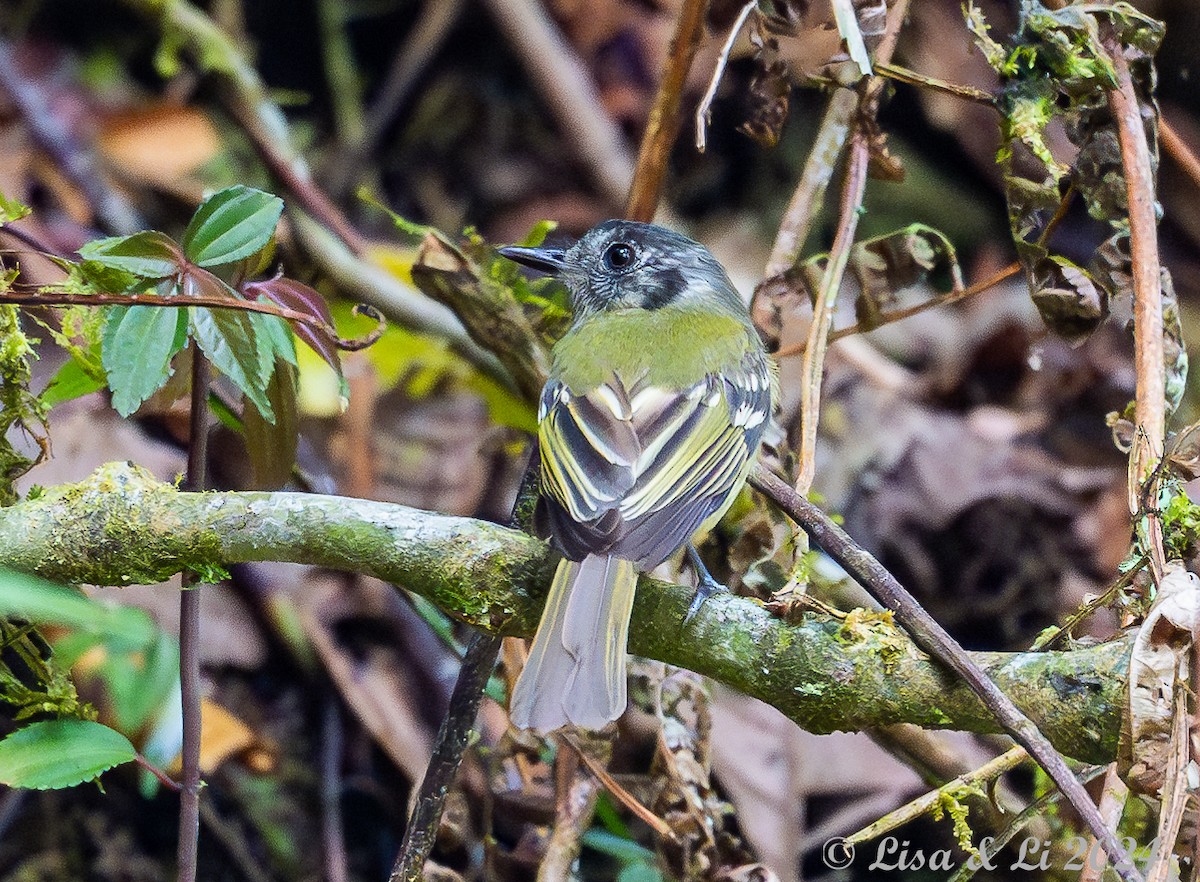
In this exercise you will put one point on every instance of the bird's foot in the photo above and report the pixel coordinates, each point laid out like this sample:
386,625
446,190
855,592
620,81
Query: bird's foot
706,585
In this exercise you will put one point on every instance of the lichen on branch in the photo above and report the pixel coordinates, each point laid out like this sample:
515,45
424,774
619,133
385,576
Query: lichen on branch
121,526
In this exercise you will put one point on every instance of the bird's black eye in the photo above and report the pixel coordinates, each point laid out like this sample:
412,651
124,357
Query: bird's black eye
618,256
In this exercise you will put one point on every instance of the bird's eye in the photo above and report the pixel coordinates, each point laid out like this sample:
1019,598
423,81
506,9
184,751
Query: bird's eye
618,256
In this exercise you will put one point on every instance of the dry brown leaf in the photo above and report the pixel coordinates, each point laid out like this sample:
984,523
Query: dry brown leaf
158,144
1161,657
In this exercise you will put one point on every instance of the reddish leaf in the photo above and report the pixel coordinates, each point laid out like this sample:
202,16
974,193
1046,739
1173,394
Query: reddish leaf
299,297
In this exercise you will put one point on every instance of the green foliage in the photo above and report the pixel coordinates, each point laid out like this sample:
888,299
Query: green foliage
139,343
11,210
231,224
145,255
1057,68
1180,525
19,408
638,863
134,661
61,753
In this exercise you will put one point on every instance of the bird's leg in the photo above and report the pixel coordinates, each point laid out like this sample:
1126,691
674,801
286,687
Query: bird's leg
706,585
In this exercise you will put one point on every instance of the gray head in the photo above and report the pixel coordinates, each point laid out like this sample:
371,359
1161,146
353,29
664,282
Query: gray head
622,264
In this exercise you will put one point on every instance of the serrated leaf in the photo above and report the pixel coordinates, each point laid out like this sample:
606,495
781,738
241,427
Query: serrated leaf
139,343
147,255
299,297
61,753
231,224
228,338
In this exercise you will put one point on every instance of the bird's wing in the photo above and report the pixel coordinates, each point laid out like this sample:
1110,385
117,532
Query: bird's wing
634,471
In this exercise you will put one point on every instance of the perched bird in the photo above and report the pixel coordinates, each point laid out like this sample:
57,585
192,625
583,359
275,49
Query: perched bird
648,425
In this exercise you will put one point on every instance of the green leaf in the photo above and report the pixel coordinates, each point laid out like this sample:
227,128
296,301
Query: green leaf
228,338
44,603
148,255
271,445
231,224
139,343
61,753
70,382
11,210
138,684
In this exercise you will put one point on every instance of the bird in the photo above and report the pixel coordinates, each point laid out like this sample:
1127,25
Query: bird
649,422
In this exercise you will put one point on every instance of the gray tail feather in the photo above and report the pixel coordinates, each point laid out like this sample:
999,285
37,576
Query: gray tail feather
576,669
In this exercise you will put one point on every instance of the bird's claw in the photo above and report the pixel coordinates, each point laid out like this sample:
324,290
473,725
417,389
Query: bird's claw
706,585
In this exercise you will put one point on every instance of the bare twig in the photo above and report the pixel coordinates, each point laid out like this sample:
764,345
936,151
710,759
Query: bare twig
1112,804
60,298
163,778
569,90
421,832
665,116
904,75
1147,290
814,180
627,799
332,738
189,635
813,367
574,806
933,638
704,108
1178,150
1006,762
76,160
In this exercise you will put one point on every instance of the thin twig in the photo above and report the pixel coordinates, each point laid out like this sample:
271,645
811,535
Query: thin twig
896,315
704,108
163,778
666,116
477,664
933,638
332,833
60,298
1051,639
814,180
1143,236
994,768
813,366
189,634
1112,804
627,799
1178,150
904,75
421,832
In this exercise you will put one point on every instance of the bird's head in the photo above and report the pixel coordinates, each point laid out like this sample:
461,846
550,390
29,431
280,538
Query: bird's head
620,265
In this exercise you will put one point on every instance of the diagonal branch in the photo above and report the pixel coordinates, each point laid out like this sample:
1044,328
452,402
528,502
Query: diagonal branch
122,527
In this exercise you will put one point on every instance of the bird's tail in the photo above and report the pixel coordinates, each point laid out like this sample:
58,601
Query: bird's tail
576,668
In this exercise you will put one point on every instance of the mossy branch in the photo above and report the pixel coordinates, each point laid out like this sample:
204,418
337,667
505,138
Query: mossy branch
121,526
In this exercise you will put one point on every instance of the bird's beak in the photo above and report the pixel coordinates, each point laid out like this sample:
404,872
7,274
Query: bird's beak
548,260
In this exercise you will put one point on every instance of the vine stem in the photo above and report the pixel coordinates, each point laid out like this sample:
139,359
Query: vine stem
189,636
932,637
